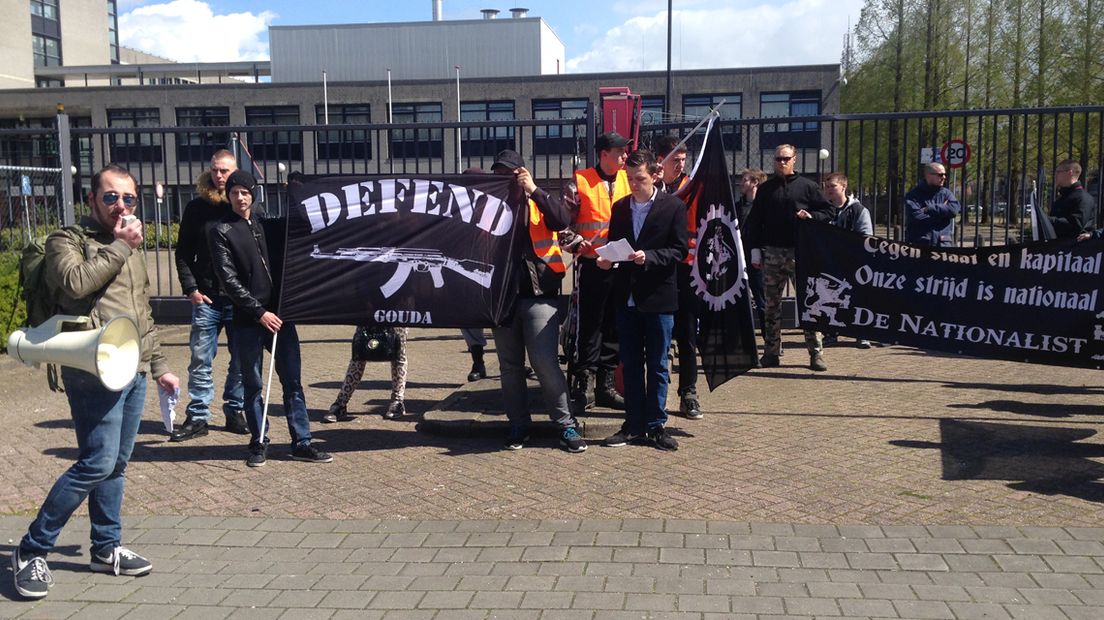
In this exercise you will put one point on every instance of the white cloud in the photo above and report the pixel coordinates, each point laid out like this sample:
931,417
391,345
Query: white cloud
763,34
189,31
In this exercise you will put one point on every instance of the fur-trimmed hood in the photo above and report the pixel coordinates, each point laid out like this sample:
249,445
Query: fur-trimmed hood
206,189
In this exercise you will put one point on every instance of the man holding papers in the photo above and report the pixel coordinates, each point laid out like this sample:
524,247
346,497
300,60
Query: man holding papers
645,295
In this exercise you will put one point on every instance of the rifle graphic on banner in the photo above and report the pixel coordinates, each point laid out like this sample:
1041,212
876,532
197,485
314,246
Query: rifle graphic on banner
409,260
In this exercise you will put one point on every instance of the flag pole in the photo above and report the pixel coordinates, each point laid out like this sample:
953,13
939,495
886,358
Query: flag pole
268,388
713,113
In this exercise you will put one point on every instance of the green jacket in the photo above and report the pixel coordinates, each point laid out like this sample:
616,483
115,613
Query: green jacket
112,272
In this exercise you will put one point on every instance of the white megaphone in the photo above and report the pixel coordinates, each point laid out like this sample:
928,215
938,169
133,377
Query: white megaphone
112,352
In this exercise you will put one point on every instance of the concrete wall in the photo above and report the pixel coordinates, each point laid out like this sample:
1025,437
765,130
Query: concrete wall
84,33
17,68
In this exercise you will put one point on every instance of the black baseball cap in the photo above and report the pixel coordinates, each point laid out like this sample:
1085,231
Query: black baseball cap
508,159
610,140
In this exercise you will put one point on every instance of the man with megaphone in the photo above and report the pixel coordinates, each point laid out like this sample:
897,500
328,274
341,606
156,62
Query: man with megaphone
102,275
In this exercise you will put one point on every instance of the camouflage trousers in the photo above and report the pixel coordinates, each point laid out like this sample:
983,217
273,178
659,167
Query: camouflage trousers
778,271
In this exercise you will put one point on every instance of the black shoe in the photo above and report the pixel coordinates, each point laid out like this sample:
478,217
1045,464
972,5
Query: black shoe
310,454
257,454
830,340
572,441
394,410
517,440
621,438
120,561
478,371
769,361
530,374
605,392
31,573
863,344
190,429
816,362
582,392
337,413
235,423
689,407
660,439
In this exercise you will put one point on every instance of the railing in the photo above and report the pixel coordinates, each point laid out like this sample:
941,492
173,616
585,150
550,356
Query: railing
1011,152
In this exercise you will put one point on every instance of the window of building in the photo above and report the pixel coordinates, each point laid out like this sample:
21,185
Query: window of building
113,31
416,143
698,106
47,51
200,145
800,134
486,141
48,83
135,147
35,150
566,139
651,110
274,145
46,9
345,143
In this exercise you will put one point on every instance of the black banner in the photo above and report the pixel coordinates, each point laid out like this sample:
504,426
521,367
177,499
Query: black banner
429,250
1036,302
726,329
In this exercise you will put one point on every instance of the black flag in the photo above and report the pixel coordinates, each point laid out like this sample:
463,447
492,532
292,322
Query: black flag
726,331
427,250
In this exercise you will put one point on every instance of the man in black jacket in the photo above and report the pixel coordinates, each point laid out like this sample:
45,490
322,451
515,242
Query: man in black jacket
1074,211
645,295
772,233
239,252
211,310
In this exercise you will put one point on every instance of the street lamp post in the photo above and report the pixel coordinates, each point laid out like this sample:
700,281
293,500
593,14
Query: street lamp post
459,157
281,168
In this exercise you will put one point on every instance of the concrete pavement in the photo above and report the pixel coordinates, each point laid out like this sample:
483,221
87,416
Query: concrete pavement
899,484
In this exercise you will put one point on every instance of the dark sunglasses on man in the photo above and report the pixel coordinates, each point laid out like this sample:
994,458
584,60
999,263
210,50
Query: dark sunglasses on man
110,198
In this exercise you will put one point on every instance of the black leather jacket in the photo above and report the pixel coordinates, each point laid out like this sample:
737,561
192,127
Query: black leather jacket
239,254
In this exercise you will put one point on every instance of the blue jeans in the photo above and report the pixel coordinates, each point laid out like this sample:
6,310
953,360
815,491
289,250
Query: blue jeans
534,328
106,424
644,340
250,341
207,321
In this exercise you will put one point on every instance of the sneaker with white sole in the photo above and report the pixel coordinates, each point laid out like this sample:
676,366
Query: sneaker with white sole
572,441
120,561
32,575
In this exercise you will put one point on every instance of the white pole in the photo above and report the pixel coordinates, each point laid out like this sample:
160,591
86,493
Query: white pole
325,99
389,121
712,114
268,388
459,157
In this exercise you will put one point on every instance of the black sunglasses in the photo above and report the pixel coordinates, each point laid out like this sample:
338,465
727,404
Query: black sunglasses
783,160
110,198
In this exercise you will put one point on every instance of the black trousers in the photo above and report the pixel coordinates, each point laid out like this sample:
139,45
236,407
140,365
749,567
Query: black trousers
686,331
597,346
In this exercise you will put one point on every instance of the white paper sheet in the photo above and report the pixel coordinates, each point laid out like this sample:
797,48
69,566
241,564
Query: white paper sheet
616,251
168,406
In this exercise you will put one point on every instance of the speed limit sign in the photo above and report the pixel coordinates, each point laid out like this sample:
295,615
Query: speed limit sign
955,153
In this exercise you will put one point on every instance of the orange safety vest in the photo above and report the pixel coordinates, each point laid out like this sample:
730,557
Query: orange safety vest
595,202
544,241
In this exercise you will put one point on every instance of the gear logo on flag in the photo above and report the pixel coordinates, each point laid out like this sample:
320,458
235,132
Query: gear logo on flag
718,273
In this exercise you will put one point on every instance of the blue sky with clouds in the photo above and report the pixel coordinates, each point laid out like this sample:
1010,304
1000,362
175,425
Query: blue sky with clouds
622,36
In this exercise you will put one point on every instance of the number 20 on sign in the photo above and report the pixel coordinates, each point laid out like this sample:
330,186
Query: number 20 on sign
955,153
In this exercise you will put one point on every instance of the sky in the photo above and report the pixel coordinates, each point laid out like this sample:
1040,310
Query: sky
622,36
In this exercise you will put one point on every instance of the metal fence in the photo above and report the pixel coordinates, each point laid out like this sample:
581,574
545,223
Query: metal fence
1011,153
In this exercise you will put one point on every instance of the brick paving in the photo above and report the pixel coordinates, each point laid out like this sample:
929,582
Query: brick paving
899,484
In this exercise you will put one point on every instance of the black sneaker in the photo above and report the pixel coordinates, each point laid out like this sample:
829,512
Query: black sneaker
769,361
257,455
190,429
120,561
478,371
516,440
660,439
621,438
235,422
310,454
32,575
572,441
689,407
394,410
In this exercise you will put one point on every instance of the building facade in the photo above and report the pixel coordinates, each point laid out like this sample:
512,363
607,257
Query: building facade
50,33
